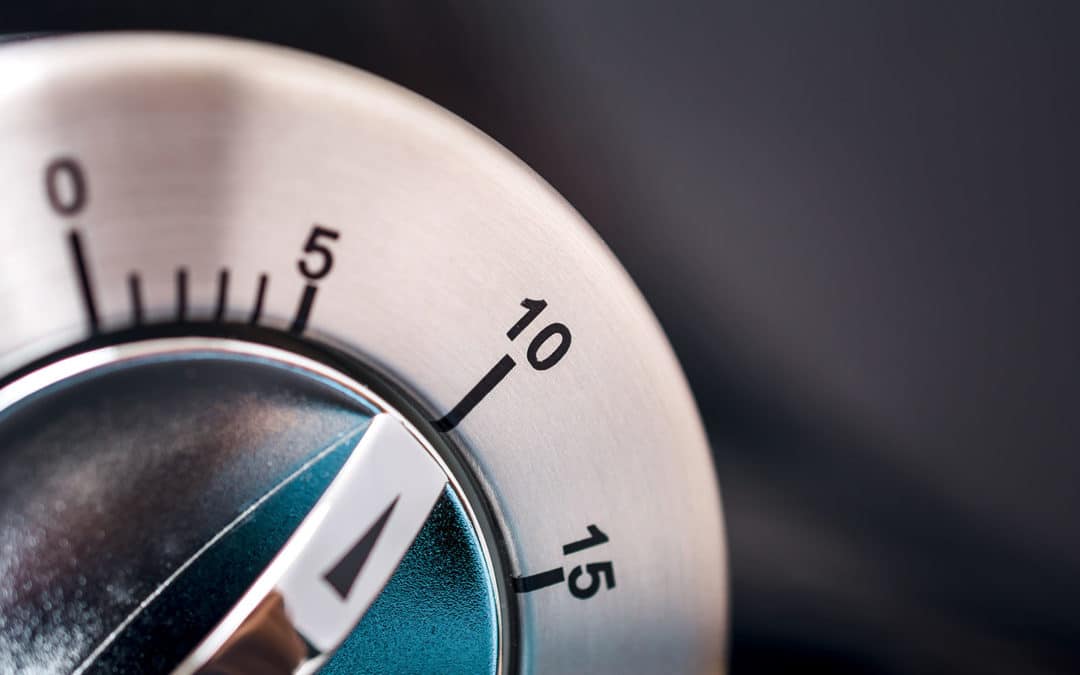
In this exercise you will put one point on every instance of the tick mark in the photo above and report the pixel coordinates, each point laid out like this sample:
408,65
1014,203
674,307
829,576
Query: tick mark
304,310
181,294
222,294
135,293
475,395
537,581
259,295
75,242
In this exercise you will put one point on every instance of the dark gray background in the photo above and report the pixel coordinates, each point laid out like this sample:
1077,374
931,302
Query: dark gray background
857,222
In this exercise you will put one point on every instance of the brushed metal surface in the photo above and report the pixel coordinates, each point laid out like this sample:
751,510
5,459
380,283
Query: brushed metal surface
204,153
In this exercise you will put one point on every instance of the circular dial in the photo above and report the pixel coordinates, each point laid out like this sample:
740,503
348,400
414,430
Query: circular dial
252,295
247,479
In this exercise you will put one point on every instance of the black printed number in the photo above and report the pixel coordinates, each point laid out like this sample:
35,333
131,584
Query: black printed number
546,349
318,260
553,340
65,186
601,572
555,330
601,575
595,538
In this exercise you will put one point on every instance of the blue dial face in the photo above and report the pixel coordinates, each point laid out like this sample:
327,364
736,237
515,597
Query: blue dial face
142,499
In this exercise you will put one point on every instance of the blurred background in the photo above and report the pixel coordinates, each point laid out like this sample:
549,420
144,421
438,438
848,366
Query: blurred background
857,222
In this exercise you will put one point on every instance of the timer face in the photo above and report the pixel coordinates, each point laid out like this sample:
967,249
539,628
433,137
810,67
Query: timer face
300,371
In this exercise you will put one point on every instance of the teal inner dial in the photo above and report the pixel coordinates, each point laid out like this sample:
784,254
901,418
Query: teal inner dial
437,613
141,497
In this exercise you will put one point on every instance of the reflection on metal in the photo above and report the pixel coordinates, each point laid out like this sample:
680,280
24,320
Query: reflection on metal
360,528
266,642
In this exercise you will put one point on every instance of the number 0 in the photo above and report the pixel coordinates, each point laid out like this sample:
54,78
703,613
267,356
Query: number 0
65,186
555,329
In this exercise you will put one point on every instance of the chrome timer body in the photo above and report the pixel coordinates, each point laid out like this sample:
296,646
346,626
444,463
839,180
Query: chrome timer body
248,292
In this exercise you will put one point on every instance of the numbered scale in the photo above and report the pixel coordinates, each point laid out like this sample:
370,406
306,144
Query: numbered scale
300,372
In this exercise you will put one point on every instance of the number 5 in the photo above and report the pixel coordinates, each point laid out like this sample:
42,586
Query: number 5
312,245
595,572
